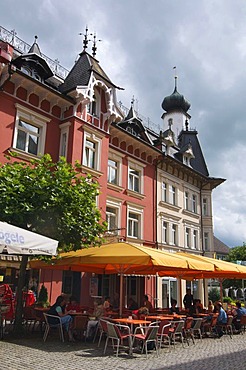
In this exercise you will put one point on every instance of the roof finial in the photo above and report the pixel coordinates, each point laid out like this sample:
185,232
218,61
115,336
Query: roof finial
94,47
175,78
35,37
187,124
85,41
132,101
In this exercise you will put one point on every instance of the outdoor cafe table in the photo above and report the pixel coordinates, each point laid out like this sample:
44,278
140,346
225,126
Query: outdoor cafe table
132,322
165,317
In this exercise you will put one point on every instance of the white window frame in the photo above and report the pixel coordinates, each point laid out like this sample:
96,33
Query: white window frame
195,239
116,157
165,232
35,119
114,204
139,221
187,237
194,203
173,195
186,200
164,188
174,234
94,107
135,166
91,137
64,136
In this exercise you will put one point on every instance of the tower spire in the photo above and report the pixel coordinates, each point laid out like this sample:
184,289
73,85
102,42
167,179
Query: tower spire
175,78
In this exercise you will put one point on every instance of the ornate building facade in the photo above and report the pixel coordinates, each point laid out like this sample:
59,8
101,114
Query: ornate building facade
155,187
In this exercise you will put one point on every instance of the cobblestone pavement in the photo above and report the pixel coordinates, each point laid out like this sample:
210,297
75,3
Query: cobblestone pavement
32,354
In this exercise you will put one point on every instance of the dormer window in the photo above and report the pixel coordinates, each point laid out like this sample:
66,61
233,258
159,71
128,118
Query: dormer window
131,130
186,160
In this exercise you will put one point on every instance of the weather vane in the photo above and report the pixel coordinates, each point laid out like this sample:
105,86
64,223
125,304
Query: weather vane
85,41
175,76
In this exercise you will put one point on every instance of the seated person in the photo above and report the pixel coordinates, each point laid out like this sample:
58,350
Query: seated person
173,308
107,304
73,305
221,320
147,303
93,322
195,309
132,305
238,313
58,310
210,307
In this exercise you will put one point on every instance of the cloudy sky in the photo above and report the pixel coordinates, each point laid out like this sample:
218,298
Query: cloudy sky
141,43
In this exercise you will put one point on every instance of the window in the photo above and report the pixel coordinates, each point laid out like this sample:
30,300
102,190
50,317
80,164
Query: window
164,192
112,172
187,237
134,180
172,195
206,241
195,239
92,145
111,218
194,203
64,138
30,131
186,197
165,232
93,107
133,225
204,206
174,239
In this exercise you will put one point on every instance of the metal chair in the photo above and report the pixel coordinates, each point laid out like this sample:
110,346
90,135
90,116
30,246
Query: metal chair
147,334
196,329
102,328
116,335
163,333
177,330
188,333
227,328
55,322
211,326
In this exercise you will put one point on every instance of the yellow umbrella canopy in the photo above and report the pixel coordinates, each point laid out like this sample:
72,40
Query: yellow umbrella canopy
221,269
123,258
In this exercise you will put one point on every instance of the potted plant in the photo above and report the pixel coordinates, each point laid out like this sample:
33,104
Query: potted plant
42,300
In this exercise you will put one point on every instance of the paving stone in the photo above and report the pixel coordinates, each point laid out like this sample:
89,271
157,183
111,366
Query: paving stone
33,354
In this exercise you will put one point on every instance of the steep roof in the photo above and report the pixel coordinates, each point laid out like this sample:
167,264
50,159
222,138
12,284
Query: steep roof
220,247
81,72
190,137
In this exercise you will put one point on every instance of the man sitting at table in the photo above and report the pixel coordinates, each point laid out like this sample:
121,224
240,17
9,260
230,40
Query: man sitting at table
238,313
221,320
93,322
73,305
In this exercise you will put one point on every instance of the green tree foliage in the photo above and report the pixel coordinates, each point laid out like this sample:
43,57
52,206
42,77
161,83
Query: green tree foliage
51,199
237,254
214,295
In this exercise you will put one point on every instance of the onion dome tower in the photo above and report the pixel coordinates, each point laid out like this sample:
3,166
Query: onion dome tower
176,108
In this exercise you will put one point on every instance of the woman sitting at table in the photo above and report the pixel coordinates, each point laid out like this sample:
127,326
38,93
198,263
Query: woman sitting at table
93,322
195,309
57,310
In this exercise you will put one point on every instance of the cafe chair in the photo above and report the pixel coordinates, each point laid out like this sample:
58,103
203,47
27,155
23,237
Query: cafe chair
163,333
102,328
196,329
29,317
80,325
227,328
177,331
188,333
57,325
211,326
146,335
242,324
117,333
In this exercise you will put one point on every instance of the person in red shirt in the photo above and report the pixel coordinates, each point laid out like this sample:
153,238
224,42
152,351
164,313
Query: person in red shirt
73,305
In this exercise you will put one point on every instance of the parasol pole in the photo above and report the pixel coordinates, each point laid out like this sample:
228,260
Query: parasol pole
121,292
